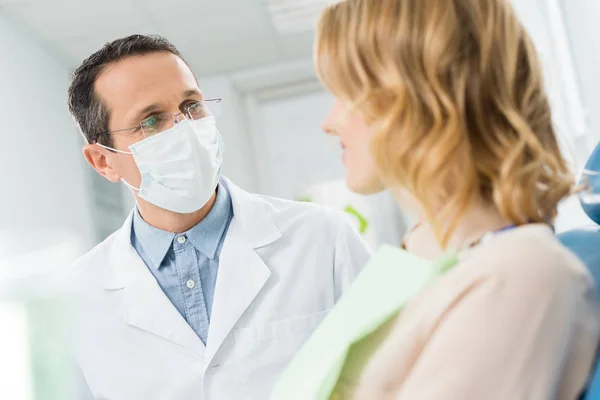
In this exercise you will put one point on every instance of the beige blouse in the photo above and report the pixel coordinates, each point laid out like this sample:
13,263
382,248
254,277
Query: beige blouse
516,318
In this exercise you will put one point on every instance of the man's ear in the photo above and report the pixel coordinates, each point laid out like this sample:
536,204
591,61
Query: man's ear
97,157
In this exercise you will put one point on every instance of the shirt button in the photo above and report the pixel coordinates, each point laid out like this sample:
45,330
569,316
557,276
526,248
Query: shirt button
181,239
191,284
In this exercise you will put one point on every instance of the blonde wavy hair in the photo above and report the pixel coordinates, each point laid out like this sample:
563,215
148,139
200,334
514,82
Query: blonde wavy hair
454,91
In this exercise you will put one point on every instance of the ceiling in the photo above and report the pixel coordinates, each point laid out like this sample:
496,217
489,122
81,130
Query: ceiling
215,36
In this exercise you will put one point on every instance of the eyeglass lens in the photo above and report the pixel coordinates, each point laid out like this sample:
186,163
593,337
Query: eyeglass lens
161,122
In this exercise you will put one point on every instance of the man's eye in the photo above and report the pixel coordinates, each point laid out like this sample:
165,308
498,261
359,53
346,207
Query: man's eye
151,121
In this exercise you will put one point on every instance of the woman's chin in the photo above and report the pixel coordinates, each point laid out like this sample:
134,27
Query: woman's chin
364,186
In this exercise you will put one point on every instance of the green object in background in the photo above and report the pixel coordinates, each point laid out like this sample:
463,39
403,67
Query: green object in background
363,224
362,221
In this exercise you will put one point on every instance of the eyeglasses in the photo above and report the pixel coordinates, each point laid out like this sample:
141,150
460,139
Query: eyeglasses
158,123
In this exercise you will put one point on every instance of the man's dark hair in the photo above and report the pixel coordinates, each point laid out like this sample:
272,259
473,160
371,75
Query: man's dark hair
84,104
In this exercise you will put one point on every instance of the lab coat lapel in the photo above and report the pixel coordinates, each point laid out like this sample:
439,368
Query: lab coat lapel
242,272
144,304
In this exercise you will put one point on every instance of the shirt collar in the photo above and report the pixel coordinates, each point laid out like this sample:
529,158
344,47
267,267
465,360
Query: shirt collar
156,242
205,236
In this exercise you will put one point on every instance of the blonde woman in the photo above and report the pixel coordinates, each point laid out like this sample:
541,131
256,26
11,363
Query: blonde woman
442,102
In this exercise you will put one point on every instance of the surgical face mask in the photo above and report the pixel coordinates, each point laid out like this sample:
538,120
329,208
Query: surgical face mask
181,166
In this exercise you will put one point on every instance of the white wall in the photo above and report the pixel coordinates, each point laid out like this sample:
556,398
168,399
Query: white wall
581,17
43,182
581,23
295,153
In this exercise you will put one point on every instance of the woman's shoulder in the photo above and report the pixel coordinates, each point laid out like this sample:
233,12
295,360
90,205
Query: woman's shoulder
527,265
531,253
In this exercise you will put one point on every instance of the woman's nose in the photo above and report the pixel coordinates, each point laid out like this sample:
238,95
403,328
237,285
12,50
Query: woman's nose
329,124
328,129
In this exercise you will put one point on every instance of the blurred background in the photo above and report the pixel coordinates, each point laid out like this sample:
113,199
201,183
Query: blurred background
257,56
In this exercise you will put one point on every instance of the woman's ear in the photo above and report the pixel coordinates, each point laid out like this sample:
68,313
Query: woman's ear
99,158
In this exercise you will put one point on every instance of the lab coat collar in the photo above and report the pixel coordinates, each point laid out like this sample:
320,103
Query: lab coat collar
242,272
144,304
115,275
252,216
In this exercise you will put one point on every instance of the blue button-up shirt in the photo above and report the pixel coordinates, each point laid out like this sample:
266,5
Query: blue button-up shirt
185,265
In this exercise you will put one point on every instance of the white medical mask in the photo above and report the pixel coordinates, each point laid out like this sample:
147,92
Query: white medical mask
181,166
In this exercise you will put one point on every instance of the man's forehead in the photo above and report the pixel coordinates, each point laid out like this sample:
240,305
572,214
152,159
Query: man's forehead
148,70
144,79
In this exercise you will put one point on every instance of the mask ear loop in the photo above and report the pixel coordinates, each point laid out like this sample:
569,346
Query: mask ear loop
129,186
122,152
115,150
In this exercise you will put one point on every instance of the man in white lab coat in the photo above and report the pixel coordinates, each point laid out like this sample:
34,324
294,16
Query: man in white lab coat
207,291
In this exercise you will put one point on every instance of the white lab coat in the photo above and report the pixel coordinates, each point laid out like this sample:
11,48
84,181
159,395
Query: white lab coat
282,267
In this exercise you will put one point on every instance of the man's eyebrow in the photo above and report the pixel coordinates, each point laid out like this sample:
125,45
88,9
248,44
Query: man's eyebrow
156,107
192,92
146,110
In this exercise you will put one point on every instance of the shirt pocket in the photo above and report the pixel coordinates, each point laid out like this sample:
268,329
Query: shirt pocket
298,326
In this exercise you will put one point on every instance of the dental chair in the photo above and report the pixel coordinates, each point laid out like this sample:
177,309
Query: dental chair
585,242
